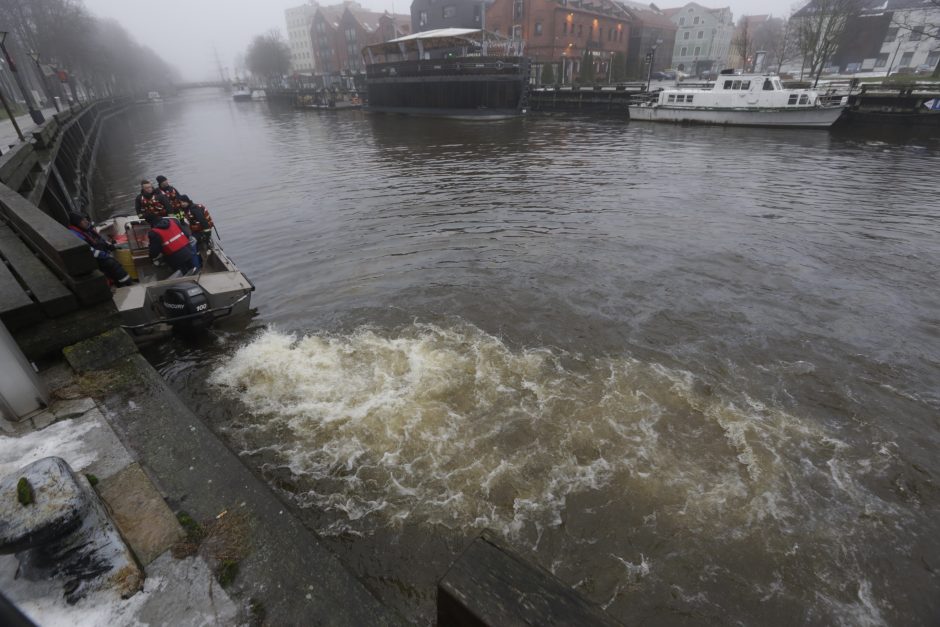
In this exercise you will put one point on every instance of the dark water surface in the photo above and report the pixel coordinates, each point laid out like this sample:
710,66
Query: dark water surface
695,372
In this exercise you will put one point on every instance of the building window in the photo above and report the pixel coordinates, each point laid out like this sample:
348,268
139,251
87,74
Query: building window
686,34
684,52
915,35
906,59
449,12
580,29
621,36
423,18
933,58
698,50
564,29
701,34
696,20
682,21
882,60
476,13
891,35
538,28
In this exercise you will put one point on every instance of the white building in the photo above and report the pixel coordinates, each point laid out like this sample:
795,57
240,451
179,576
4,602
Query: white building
703,38
911,40
299,20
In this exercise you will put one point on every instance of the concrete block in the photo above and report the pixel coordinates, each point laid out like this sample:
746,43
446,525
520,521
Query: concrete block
65,534
140,513
98,352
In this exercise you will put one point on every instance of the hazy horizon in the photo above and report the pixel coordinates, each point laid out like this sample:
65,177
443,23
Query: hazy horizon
188,34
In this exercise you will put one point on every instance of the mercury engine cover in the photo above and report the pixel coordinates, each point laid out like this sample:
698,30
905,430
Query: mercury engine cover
185,300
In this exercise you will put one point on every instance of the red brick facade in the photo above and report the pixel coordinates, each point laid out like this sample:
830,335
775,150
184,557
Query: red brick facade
558,32
339,32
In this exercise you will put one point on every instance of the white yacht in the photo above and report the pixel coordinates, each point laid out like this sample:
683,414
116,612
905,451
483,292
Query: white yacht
739,100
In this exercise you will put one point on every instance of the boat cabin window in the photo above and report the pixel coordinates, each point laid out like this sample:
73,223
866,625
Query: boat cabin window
768,85
777,84
688,98
745,84
804,99
727,84
792,99
672,98
736,85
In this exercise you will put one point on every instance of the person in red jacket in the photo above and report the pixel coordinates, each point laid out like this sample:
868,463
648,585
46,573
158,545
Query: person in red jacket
151,201
200,222
169,244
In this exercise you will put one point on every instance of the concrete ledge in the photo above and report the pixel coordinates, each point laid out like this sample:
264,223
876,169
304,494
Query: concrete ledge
99,351
490,584
288,570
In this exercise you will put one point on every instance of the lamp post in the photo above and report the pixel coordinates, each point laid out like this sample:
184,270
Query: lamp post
42,78
650,57
34,113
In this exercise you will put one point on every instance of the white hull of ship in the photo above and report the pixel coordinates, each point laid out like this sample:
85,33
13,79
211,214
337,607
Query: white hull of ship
809,117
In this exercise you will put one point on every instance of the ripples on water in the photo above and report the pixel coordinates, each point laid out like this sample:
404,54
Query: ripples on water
693,371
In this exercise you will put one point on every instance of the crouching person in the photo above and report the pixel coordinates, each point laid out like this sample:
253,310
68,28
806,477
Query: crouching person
100,248
170,244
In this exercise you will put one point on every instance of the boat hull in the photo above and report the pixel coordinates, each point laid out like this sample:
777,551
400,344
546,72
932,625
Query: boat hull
809,117
478,115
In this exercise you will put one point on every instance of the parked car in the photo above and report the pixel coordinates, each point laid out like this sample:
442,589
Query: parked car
924,69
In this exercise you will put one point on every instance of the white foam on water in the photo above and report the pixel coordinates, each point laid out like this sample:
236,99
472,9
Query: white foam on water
450,426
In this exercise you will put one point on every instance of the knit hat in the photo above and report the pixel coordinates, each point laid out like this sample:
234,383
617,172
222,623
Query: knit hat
160,179
184,198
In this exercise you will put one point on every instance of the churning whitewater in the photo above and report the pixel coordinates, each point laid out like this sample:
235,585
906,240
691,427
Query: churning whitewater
450,426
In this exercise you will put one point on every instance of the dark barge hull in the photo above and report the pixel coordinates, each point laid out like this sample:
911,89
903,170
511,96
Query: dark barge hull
463,87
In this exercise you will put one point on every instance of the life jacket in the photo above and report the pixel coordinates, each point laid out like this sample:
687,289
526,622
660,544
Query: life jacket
172,195
91,238
152,205
172,237
193,221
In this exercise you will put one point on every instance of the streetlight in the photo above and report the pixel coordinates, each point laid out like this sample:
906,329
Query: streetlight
45,85
34,113
650,57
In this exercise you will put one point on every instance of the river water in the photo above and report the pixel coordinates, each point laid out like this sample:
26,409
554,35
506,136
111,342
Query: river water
692,371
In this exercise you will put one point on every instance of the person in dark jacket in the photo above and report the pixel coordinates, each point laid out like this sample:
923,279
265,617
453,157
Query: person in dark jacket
151,201
172,194
200,222
81,226
170,244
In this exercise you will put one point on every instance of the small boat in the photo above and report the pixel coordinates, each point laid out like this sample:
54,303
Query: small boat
739,100
259,94
240,92
154,96
164,300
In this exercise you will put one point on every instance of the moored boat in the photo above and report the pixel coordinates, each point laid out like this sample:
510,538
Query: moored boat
240,92
739,100
164,300
450,72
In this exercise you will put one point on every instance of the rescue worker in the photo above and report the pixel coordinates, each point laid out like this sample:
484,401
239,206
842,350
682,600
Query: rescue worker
200,222
170,245
81,226
171,193
151,202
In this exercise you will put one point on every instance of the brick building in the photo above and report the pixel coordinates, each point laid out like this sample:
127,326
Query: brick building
558,32
434,14
649,27
338,33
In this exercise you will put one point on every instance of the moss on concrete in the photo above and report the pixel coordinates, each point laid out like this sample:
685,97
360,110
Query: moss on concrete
24,492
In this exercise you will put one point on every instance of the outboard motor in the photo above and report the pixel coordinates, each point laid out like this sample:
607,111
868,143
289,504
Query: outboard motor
187,300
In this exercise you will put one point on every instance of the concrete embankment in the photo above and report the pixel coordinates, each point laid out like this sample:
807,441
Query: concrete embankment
285,570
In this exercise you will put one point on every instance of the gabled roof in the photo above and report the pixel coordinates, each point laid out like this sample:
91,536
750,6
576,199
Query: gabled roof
649,15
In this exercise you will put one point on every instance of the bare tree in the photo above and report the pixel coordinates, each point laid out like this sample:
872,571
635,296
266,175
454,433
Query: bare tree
268,57
743,42
820,25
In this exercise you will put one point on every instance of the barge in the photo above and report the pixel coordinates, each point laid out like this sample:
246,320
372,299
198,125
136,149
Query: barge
458,73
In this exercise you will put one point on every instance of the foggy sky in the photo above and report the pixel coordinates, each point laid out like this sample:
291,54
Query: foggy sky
183,32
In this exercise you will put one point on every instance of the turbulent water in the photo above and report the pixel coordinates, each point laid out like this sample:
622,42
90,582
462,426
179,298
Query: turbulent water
692,371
